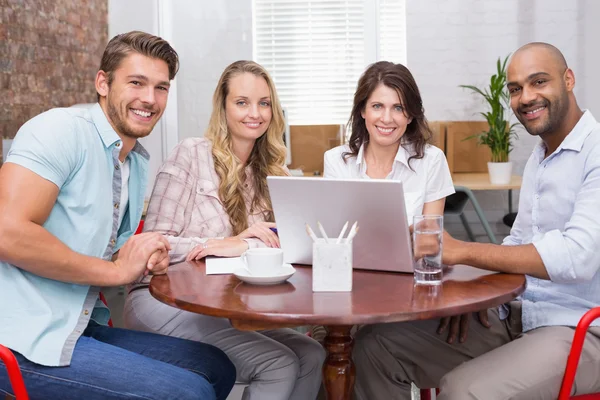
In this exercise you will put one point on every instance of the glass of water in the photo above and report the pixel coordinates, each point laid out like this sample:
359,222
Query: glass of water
427,248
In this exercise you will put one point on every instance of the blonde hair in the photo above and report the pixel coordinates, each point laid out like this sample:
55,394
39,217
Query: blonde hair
267,156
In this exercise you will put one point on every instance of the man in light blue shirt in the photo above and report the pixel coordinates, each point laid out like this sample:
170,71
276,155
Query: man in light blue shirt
71,194
518,351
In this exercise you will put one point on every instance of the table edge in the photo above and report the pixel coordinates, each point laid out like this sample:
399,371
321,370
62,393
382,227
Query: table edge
310,319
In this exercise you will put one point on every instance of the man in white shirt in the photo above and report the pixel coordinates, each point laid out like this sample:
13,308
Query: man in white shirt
517,351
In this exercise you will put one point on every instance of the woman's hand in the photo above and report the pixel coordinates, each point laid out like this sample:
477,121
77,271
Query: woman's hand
229,247
261,230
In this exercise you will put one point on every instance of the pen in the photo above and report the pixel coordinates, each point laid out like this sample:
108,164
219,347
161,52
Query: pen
339,239
352,233
322,232
311,233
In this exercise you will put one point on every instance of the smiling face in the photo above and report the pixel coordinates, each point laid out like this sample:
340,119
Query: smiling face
539,86
248,107
136,97
384,117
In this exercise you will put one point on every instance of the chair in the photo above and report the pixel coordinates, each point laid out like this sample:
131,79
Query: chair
425,394
103,299
575,353
572,361
12,366
14,373
140,227
455,205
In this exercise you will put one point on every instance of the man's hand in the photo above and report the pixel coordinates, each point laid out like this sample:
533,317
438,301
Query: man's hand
261,230
229,247
451,250
142,253
459,325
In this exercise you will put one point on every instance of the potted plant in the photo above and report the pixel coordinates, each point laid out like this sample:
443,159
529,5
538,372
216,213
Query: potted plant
500,132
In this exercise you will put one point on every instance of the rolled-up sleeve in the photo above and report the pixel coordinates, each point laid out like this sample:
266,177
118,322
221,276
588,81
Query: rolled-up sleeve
572,255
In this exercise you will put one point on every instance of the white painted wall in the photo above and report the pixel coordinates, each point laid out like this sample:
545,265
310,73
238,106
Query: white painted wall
125,16
454,42
208,35
450,42
589,79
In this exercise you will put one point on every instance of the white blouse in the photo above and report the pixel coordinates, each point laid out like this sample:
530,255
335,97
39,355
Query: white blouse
427,181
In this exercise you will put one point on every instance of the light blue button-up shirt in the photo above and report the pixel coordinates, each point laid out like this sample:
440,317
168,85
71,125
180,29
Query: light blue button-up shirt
559,212
77,150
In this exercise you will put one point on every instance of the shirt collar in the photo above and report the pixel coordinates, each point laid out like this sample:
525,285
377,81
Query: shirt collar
107,133
576,138
401,155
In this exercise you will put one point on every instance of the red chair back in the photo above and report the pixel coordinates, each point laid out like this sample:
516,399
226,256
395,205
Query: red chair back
14,373
573,360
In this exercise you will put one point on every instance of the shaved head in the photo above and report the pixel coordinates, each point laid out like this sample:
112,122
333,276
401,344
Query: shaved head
540,85
551,52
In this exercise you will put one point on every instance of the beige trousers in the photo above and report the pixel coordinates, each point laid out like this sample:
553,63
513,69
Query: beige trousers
501,362
277,364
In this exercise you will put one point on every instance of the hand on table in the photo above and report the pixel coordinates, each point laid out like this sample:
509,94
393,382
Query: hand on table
458,325
229,247
262,230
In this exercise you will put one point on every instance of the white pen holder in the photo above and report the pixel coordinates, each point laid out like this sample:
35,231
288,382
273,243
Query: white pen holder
332,266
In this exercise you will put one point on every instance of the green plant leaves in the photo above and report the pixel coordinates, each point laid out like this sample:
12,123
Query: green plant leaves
500,134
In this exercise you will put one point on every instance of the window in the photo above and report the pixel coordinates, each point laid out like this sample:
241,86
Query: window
316,51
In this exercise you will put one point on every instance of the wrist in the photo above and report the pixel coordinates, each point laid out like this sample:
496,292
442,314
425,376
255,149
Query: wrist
246,244
464,253
117,275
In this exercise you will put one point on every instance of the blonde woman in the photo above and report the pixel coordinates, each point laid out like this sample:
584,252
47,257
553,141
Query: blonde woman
211,198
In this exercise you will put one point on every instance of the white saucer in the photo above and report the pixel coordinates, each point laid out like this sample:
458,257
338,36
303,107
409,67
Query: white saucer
284,273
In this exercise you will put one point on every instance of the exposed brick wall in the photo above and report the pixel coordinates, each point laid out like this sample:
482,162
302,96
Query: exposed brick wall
50,51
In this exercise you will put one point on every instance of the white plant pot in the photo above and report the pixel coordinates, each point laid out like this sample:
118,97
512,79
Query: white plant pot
500,172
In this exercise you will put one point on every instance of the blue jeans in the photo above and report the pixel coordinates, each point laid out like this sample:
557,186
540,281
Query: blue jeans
112,363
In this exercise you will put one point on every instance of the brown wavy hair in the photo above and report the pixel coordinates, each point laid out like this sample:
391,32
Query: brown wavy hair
143,43
267,156
399,78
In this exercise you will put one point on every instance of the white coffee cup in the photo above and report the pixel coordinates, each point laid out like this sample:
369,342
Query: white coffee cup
263,261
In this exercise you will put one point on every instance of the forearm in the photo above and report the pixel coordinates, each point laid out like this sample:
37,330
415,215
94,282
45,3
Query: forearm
32,248
522,259
181,246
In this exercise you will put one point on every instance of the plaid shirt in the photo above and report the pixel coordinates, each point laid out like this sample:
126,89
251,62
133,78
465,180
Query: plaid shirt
185,205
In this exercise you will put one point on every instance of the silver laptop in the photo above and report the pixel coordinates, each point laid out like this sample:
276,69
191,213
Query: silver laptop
383,240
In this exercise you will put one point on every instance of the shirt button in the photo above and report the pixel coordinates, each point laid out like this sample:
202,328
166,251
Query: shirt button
113,241
117,167
118,144
117,205
85,312
202,190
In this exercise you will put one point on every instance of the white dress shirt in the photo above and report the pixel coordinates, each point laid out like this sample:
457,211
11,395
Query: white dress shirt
427,181
559,212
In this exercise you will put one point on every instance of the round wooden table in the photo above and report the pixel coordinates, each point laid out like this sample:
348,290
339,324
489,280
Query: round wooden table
376,297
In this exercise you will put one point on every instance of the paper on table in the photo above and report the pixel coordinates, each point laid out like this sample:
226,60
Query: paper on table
223,265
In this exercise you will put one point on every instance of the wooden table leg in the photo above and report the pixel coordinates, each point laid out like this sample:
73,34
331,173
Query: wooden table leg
338,370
